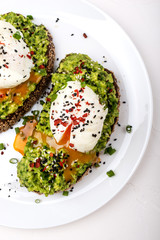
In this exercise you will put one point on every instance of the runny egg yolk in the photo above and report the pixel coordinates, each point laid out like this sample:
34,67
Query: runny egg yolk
29,130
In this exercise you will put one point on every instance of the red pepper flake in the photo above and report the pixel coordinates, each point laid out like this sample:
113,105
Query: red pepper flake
5,65
82,79
21,56
85,115
81,96
81,119
76,91
44,168
48,99
32,52
110,90
41,66
2,153
51,154
67,110
82,89
1,95
61,164
78,104
87,103
71,145
2,43
57,121
64,124
35,142
63,161
28,56
85,35
31,164
75,122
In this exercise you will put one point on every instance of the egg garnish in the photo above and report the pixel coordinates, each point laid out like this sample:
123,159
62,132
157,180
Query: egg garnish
78,108
15,58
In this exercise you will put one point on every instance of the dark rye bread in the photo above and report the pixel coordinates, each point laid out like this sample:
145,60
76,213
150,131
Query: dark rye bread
11,119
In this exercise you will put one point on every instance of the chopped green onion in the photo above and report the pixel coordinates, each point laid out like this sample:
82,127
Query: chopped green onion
35,113
110,173
41,102
37,201
28,144
17,130
13,160
96,165
30,17
109,150
1,146
65,193
129,128
17,35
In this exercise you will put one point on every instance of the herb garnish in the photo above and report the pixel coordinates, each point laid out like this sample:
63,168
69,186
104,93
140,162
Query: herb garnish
129,128
17,35
110,173
109,150
2,146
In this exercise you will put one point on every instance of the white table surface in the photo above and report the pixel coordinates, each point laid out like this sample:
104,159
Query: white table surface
135,212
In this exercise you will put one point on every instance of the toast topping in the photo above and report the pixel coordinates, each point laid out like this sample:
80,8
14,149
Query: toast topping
15,57
80,108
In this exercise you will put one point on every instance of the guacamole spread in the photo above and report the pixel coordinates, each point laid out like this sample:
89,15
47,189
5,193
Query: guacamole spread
36,38
47,166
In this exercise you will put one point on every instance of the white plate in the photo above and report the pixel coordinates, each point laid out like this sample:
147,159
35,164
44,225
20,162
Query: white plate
106,42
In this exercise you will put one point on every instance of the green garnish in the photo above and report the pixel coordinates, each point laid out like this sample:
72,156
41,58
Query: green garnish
13,160
129,128
65,193
27,119
17,35
17,130
41,102
109,150
35,113
37,201
96,165
30,17
1,146
110,173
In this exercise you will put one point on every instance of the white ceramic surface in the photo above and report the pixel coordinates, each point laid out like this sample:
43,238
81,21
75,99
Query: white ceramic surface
106,42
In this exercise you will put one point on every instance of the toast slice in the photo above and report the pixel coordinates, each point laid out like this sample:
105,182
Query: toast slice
51,166
29,29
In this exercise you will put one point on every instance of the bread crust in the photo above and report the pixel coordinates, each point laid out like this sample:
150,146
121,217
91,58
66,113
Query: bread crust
11,119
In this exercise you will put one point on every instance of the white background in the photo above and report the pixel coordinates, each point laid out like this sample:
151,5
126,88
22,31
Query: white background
135,212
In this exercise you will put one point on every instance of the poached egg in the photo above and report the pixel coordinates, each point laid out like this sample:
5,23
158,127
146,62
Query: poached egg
15,59
80,109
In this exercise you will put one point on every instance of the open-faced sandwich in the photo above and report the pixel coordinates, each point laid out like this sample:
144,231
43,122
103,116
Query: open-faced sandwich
75,124
26,64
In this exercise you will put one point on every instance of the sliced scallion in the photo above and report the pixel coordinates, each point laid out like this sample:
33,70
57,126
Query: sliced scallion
110,173
1,146
37,201
13,160
129,128
65,193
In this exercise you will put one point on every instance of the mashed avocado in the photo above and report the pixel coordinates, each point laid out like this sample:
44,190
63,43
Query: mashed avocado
36,38
49,177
